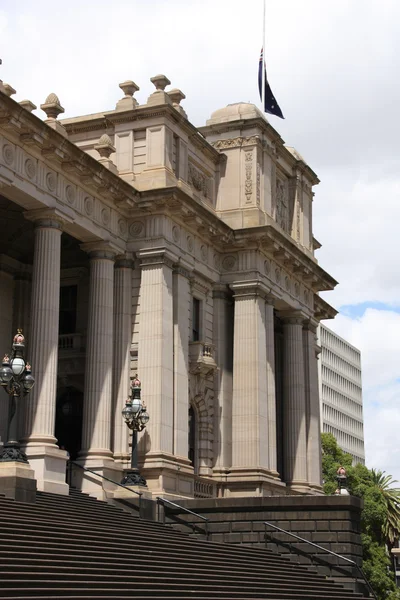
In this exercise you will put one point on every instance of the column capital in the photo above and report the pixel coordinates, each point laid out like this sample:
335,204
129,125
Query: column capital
311,325
48,218
157,256
293,317
221,291
100,250
251,288
184,268
124,261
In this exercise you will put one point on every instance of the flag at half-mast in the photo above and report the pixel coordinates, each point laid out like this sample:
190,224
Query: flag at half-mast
270,104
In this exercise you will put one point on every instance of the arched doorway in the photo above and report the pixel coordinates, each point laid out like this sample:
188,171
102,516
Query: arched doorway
68,430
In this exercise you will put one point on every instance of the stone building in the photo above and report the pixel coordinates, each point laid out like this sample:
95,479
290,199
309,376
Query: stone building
133,242
341,393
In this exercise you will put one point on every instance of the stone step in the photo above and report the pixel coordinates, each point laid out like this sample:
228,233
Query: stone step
182,591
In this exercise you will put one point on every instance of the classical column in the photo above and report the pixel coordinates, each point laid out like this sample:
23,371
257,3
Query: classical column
250,428
223,340
294,407
6,335
271,386
122,353
181,311
43,454
97,423
313,431
156,351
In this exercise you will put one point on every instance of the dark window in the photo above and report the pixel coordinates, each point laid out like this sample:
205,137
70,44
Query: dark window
196,320
68,296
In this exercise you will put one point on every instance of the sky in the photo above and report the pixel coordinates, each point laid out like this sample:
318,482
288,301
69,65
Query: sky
333,66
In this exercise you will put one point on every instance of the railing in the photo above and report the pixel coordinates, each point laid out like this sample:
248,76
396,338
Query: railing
164,501
138,508
201,350
204,488
352,562
70,341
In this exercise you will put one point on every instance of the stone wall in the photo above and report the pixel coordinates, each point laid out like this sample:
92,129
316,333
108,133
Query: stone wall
330,521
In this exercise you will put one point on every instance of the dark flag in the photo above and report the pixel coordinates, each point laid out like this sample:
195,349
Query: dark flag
270,104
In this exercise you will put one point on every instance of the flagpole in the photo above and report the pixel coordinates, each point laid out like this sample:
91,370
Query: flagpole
263,61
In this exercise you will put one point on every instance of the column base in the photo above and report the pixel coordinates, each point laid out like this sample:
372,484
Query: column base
49,465
94,484
242,481
301,487
17,481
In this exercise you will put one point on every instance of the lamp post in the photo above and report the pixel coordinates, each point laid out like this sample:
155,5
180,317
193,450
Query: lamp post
136,417
16,378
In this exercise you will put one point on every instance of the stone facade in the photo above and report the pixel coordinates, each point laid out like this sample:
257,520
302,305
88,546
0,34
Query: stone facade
133,242
341,393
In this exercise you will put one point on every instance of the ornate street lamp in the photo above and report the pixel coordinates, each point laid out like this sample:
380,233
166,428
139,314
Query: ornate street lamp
136,417
16,378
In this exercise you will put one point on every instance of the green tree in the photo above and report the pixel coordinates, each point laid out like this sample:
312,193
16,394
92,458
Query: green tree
377,528
391,496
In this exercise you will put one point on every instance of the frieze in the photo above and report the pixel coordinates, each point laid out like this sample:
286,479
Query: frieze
237,142
229,262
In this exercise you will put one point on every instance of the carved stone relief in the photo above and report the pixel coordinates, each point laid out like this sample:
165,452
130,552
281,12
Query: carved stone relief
248,184
281,197
198,180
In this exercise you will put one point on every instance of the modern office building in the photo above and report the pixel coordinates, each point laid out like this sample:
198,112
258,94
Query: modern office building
341,393
133,242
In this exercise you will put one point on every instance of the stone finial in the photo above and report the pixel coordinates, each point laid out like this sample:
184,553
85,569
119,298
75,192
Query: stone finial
176,97
159,97
129,88
105,146
160,82
9,90
128,102
52,106
28,105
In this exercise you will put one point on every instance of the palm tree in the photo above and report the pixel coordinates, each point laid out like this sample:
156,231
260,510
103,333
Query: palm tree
391,496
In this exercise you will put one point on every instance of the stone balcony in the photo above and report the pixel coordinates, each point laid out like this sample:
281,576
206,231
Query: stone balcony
71,342
201,358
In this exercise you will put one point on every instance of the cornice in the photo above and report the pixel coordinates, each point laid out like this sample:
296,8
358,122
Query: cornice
287,253
64,154
323,310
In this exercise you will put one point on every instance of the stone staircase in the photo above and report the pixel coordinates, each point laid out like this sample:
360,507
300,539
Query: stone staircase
77,547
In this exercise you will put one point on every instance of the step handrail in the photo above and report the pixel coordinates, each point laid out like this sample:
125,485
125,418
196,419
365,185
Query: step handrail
184,509
324,550
140,494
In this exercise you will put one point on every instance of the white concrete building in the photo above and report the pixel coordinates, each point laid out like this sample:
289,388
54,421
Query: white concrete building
341,393
133,242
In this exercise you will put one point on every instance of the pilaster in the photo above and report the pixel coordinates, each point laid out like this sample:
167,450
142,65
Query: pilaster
122,347
250,408
313,431
156,351
181,311
223,339
294,407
